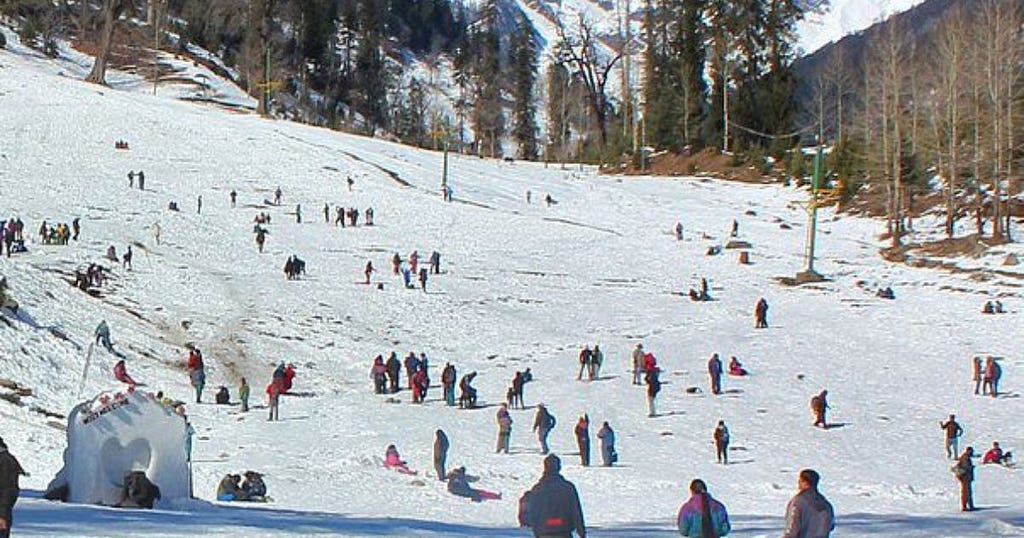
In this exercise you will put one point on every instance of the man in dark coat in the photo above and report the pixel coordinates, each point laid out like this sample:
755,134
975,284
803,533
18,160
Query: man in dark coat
543,423
440,453
715,371
761,314
394,368
10,472
552,507
819,405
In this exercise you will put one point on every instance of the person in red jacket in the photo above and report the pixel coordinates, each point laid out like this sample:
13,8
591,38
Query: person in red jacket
121,373
289,375
996,455
273,397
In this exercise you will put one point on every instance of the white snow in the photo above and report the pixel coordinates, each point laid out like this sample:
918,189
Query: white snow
845,17
524,286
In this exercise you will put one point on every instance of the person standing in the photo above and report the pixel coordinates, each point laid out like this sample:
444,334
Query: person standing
10,472
273,400
298,213
953,432
702,516
722,443
761,314
243,395
423,279
552,507
234,197
327,213
435,262
638,361
583,439
504,429
142,180
819,405
199,205
809,514
964,472
976,371
131,179
448,376
715,371
607,437
440,453
543,423
653,388
585,357
596,359
368,271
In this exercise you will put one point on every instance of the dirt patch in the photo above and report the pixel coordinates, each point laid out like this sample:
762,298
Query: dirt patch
708,162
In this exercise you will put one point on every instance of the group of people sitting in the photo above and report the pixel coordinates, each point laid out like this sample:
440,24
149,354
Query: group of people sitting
997,456
886,293
93,276
120,144
993,307
232,488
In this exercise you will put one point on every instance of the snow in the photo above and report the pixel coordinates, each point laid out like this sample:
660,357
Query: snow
523,286
130,432
845,17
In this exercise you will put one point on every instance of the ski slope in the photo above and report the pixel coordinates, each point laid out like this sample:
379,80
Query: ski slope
523,286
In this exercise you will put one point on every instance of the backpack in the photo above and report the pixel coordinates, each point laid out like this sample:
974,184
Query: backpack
959,471
551,421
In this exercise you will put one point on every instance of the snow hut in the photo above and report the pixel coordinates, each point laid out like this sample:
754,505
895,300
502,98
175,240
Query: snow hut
112,435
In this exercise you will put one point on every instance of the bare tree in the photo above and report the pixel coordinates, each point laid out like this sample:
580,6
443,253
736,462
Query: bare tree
579,50
111,11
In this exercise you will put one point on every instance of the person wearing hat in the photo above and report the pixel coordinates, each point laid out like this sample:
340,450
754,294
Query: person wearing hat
10,472
551,509
702,516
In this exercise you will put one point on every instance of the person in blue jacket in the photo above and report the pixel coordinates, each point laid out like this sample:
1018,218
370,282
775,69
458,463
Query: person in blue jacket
701,515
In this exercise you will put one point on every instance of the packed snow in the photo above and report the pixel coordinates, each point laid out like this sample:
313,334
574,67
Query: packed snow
522,285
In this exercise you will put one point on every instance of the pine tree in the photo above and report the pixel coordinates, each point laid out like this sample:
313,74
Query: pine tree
524,73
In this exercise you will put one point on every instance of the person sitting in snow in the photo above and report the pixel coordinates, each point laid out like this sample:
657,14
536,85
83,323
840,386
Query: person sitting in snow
229,489
138,491
392,460
222,397
121,373
735,368
253,488
467,400
997,456
458,484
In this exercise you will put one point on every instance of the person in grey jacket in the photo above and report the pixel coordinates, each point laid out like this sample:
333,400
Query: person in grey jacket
809,514
440,453
10,472
543,423
552,507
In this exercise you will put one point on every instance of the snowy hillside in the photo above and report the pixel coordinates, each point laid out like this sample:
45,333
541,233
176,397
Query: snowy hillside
523,285
846,17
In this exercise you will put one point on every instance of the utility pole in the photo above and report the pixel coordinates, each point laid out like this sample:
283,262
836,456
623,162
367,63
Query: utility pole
266,88
725,106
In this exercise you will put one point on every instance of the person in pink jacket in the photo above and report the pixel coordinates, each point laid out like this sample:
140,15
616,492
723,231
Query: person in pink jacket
121,373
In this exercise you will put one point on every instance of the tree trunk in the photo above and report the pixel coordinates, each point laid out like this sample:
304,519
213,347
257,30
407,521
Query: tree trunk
98,75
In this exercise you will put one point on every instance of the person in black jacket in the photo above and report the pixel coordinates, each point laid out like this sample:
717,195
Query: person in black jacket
543,423
10,472
440,453
552,507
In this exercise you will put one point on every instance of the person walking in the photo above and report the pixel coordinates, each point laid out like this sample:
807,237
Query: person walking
953,432
243,395
761,314
368,271
715,371
273,400
551,509
964,472
819,405
607,437
103,336
722,443
10,473
583,439
504,429
809,514
976,374
702,516
440,453
543,423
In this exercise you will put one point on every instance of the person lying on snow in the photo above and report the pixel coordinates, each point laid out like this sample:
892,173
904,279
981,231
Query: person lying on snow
121,373
458,485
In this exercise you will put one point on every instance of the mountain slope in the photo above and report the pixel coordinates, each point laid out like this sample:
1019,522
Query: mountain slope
523,286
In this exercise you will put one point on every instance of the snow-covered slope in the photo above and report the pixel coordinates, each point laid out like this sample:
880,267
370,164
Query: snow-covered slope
523,286
845,17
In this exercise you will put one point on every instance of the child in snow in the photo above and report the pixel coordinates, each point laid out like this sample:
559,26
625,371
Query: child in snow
735,368
121,373
997,456
392,460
